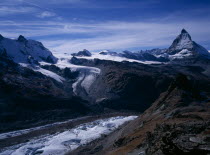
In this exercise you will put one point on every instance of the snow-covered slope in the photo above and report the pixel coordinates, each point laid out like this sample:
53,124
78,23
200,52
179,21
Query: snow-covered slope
87,75
22,50
117,58
61,143
108,52
44,72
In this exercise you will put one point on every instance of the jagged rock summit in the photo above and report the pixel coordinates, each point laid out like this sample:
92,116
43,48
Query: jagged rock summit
22,50
183,41
22,38
185,46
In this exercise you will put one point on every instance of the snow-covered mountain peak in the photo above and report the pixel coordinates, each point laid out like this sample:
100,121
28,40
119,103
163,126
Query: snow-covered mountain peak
184,42
22,50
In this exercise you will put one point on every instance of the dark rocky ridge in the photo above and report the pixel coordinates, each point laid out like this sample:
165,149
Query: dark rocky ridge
134,86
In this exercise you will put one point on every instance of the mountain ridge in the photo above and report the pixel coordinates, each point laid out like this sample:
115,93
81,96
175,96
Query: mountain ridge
183,47
22,50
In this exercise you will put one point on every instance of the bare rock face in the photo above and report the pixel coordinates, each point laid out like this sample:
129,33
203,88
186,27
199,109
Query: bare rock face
185,42
189,138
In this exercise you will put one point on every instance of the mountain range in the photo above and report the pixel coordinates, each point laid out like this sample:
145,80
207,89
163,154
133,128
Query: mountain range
169,87
182,47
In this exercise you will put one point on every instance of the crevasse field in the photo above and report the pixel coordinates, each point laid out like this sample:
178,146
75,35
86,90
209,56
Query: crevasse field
61,143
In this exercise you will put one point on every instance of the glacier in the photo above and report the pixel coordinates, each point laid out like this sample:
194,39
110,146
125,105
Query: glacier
61,143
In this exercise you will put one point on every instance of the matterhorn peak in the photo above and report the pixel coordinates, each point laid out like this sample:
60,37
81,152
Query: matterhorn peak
185,35
184,31
184,44
22,38
182,41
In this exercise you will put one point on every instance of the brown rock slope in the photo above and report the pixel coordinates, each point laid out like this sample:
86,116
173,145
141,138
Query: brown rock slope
178,122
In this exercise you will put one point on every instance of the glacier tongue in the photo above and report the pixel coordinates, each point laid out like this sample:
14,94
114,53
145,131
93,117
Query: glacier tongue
61,143
87,75
44,71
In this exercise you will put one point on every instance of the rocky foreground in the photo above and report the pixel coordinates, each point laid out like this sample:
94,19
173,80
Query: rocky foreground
176,123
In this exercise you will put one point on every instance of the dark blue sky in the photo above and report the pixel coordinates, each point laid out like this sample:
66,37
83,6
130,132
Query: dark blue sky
72,25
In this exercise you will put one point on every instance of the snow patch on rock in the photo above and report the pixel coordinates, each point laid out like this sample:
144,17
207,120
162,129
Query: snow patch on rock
118,58
182,54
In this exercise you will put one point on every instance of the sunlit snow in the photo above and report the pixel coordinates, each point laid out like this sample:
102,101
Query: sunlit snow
44,71
61,143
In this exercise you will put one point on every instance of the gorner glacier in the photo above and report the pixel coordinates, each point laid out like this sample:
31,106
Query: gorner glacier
61,143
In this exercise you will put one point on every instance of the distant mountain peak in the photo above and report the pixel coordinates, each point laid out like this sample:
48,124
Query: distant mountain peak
82,53
21,38
183,42
85,50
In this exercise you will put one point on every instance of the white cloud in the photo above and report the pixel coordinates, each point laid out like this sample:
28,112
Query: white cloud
6,10
106,35
46,14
